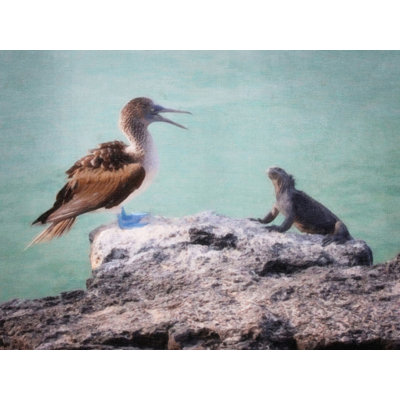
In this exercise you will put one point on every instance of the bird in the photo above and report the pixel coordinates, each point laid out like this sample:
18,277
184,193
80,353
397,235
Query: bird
111,174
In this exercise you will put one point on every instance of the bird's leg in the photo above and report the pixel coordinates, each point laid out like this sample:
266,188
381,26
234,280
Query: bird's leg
127,221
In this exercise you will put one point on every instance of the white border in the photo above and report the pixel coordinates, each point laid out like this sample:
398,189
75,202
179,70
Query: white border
206,24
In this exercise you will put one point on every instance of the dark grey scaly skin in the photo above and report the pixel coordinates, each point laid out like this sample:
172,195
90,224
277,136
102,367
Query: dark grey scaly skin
301,210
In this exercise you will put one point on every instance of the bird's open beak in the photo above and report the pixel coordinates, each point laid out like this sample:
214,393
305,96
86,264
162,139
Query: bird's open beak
158,117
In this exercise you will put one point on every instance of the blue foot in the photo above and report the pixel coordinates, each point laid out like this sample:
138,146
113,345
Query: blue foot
128,221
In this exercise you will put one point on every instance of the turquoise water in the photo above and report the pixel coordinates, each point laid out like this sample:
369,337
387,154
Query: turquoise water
332,119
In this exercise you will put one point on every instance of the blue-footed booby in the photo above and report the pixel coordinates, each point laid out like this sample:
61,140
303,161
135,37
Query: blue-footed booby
111,174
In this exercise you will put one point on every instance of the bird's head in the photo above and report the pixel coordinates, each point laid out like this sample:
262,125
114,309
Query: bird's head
145,111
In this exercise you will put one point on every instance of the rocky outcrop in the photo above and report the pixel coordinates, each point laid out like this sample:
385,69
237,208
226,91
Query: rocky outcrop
212,282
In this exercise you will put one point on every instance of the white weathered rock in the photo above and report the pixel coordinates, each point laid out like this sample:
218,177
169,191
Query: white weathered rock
212,282
208,238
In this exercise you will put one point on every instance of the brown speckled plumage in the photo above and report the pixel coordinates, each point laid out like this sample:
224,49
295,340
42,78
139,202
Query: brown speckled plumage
108,156
102,179
132,119
92,183
109,174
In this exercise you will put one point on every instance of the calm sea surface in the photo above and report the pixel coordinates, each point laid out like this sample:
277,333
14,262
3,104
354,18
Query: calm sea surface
332,119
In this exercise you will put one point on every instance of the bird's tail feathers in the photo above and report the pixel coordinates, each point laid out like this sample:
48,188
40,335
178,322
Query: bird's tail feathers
56,229
43,218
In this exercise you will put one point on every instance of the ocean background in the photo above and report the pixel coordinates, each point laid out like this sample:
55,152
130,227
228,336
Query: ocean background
331,118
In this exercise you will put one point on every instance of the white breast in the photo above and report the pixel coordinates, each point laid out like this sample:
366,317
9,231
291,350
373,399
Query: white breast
150,165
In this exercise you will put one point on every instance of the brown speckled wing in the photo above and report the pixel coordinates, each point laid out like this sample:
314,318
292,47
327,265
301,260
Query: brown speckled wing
108,156
102,179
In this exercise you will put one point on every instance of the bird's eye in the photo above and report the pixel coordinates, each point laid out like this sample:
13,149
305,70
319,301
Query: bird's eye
152,110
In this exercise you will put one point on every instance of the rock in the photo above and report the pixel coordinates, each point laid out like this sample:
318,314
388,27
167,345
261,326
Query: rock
212,282
220,239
